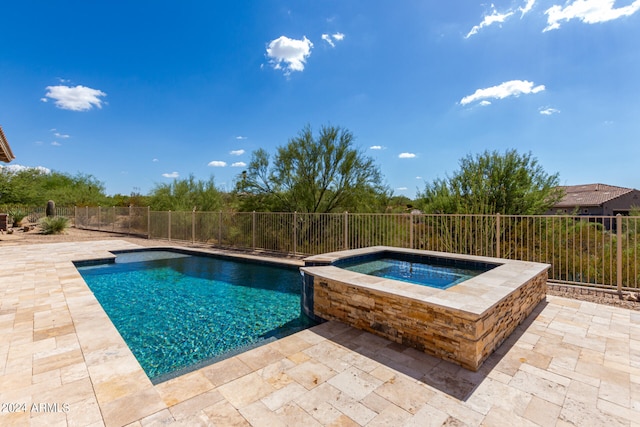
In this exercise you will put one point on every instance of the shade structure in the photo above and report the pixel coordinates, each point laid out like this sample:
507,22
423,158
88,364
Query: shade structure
6,155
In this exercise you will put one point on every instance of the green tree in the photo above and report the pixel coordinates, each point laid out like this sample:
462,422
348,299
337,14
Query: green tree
489,183
35,186
185,195
313,174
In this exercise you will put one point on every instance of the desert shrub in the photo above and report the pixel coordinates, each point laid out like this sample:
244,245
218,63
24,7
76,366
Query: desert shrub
54,224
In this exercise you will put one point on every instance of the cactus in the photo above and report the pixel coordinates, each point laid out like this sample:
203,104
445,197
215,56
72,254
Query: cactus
51,208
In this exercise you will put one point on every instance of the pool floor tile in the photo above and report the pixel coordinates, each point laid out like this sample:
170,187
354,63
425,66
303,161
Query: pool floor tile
571,363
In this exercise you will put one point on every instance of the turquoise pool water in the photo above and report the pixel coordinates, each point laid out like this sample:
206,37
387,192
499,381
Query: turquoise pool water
178,312
420,273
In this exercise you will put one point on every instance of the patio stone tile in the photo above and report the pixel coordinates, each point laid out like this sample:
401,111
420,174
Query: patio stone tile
299,358
226,370
292,415
187,407
405,393
258,415
224,414
536,385
118,386
390,416
260,357
429,416
84,413
275,373
310,374
329,354
355,383
70,393
491,393
162,417
246,390
283,396
457,411
183,387
542,412
290,345
353,409
73,373
375,402
132,407
498,416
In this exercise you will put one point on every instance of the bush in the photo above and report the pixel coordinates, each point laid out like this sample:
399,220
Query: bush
54,224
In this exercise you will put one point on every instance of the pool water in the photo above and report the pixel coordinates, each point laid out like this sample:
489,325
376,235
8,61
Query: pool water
436,276
178,312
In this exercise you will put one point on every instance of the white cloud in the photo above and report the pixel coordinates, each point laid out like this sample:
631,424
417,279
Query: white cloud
56,144
375,147
406,156
503,90
484,103
488,20
60,135
527,7
588,11
79,98
171,175
418,177
402,188
18,168
237,152
217,164
238,164
155,160
548,111
331,39
241,137
290,52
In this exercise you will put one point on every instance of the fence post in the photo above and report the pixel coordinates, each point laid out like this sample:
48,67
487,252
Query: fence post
295,232
86,210
113,223
148,222
220,229
193,225
411,230
253,230
169,225
619,252
129,223
346,230
498,235
99,218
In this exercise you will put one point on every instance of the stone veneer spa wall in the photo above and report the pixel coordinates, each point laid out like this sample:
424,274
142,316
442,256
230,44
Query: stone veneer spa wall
463,324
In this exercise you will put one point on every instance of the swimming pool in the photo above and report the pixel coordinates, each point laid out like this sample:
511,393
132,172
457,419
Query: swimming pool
427,271
179,311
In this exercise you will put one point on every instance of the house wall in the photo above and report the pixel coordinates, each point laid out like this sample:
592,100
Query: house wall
622,204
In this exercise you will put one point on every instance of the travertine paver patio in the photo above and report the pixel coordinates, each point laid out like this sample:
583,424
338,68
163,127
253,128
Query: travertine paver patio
63,362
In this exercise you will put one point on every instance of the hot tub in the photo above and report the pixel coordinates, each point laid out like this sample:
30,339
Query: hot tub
463,323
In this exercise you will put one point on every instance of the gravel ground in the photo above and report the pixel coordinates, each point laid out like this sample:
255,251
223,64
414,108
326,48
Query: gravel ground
20,237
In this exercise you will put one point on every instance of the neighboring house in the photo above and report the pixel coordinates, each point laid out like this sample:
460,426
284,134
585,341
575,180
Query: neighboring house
597,199
5,151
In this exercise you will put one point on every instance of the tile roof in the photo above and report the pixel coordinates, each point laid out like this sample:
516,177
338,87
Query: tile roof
590,194
5,151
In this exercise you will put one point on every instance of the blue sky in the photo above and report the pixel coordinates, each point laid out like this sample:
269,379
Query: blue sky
137,93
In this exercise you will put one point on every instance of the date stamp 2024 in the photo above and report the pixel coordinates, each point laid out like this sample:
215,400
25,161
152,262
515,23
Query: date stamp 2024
33,407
